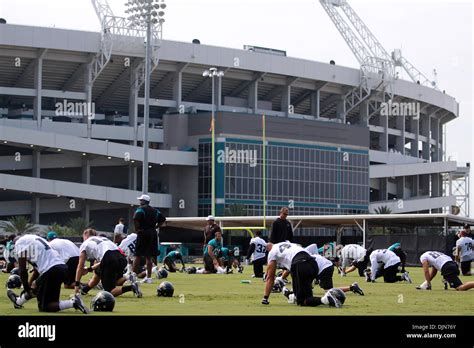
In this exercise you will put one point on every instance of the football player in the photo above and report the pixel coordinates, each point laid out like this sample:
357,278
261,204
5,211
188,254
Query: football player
211,252
438,261
257,254
228,260
49,273
385,263
128,246
69,253
356,257
304,269
464,253
170,259
397,249
109,266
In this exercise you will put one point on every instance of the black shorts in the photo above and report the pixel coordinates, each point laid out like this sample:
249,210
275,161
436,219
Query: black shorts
466,267
450,273
71,270
169,264
48,286
208,264
147,244
390,273
112,268
303,272
325,278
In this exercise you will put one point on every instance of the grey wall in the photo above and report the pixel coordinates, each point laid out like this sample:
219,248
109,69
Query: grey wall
281,127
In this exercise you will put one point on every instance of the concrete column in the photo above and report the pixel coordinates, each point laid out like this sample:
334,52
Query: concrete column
341,110
37,101
253,97
400,140
425,131
286,100
383,138
400,182
435,135
383,192
315,104
86,179
178,87
88,90
415,128
35,199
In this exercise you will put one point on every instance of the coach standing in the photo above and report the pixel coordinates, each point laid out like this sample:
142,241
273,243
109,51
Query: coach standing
146,220
210,230
281,229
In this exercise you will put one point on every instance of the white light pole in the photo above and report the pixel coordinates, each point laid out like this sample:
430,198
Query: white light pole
146,13
213,72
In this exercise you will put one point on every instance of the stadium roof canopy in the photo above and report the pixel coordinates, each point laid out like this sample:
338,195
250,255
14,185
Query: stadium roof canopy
326,220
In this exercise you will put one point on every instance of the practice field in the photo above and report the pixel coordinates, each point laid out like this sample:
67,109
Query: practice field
221,294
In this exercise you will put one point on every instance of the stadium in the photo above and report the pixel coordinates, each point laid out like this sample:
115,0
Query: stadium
231,132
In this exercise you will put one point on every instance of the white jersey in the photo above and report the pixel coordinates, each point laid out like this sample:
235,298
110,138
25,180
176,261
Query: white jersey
260,248
465,244
435,259
119,229
65,248
96,247
129,244
312,249
283,253
354,252
382,257
322,262
38,252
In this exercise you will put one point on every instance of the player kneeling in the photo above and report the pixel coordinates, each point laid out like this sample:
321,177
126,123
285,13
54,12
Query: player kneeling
449,270
384,263
304,269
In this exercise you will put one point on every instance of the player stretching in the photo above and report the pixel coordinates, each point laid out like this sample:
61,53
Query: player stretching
385,263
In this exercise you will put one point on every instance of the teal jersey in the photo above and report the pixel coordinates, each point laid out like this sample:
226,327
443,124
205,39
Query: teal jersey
215,244
172,255
225,253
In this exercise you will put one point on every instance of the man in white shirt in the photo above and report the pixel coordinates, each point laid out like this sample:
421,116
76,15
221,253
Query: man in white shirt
464,252
438,261
385,263
257,254
69,253
356,257
119,231
109,266
49,273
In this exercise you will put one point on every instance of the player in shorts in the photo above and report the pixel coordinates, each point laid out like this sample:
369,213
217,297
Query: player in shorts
69,253
170,261
384,263
464,252
353,257
49,273
257,254
434,262
211,253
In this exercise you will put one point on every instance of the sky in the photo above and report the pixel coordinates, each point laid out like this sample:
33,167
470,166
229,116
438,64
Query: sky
432,34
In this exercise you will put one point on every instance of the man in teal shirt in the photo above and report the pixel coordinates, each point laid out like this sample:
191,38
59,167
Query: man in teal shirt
229,260
211,252
170,259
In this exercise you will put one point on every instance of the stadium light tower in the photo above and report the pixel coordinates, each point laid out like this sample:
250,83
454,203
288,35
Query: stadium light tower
212,73
147,14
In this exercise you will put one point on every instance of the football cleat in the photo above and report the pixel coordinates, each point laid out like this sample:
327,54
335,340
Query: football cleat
355,288
445,283
13,297
424,286
147,280
406,277
136,290
332,299
241,269
286,292
79,305
291,299
368,275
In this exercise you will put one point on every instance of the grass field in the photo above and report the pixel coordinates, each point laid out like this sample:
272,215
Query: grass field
219,294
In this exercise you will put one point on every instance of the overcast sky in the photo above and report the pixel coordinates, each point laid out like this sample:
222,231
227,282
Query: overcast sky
433,34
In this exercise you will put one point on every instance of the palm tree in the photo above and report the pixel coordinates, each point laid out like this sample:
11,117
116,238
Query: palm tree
18,225
61,230
78,225
236,210
383,210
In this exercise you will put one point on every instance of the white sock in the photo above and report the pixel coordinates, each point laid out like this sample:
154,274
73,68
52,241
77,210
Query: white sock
66,304
220,270
200,271
324,299
21,300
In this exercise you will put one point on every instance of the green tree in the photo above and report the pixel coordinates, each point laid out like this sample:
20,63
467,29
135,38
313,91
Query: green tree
18,225
63,231
78,225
